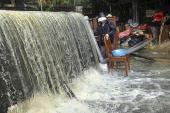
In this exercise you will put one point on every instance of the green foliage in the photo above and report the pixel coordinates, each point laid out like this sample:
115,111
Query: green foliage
59,2
50,4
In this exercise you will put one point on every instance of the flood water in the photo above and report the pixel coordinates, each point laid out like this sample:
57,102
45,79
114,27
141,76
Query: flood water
45,58
145,90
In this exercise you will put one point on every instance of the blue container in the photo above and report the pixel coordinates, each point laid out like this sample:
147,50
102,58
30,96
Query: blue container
119,52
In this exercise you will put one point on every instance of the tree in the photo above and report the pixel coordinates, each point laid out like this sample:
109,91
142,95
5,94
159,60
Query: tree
59,2
49,4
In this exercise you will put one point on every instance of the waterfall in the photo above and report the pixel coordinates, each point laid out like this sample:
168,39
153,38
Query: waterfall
42,52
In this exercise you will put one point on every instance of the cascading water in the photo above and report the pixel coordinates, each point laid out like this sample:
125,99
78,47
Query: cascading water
40,52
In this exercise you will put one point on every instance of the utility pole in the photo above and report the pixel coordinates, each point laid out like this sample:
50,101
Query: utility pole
41,5
135,11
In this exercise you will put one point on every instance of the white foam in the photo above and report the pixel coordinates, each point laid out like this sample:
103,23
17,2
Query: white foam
94,86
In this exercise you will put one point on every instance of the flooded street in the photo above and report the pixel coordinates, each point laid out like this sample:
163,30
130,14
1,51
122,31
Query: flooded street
145,90
52,55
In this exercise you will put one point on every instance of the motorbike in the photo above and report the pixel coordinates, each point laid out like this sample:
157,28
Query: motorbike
133,34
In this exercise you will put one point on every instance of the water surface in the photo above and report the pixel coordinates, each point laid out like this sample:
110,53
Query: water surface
145,90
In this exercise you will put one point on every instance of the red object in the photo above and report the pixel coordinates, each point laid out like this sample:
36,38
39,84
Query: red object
125,33
158,16
143,27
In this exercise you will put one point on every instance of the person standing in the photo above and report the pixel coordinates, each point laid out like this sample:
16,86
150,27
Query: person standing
156,24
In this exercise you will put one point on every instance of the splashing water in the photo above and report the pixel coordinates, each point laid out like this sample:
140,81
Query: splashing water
145,90
41,52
